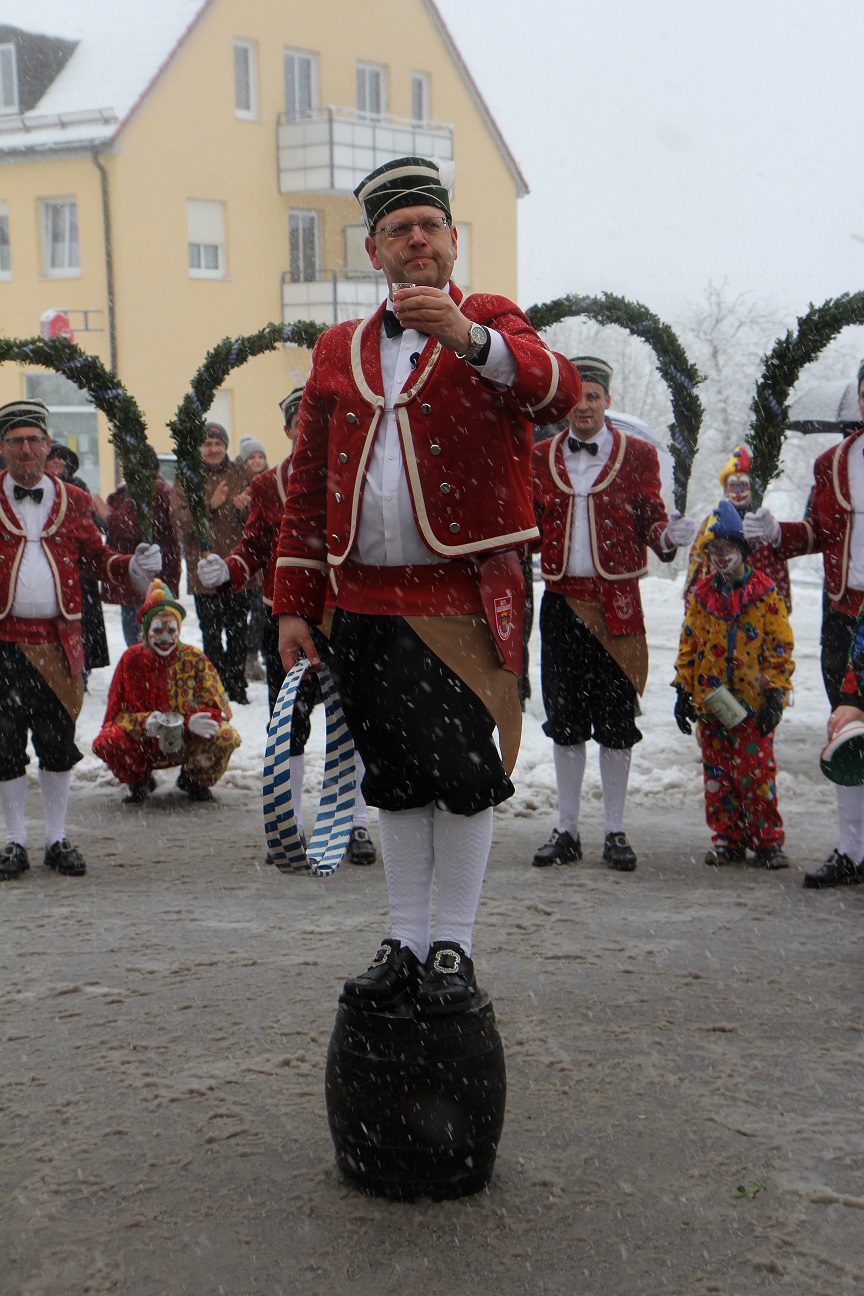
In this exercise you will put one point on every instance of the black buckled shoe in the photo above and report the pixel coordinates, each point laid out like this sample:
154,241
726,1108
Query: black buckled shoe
139,792
771,857
64,858
13,861
618,853
721,853
448,985
838,870
360,848
561,848
391,977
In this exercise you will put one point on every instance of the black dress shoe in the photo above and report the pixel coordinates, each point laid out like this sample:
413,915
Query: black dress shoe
13,861
722,854
618,853
360,848
448,985
64,858
391,977
193,790
838,870
561,848
138,793
771,857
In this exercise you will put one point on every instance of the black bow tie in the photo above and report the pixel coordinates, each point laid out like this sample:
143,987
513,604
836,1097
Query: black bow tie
392,327
575,444
21,492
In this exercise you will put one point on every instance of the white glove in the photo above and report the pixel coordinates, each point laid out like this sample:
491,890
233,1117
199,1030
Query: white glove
146,563
680,531
213,570
151,724
761,525
202,724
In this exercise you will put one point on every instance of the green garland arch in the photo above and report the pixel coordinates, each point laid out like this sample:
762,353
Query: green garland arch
782,366
188,426
680,376
128,429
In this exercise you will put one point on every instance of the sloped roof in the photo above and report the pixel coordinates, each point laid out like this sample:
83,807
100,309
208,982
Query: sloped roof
124,45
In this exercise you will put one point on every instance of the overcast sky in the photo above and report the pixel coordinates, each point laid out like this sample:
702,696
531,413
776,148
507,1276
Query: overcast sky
674,142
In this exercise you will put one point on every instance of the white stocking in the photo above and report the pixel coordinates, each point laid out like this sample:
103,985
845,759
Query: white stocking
55,799
406,847
850,812
361,811
13,795
614,772
462,844
569,773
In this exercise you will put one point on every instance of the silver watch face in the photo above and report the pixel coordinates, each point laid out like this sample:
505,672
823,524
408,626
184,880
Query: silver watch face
478,337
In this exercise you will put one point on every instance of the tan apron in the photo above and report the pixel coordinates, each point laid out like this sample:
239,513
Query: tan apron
630,652
51,662
464,644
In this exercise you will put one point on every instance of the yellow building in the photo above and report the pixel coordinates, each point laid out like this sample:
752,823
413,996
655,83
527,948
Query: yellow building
176,171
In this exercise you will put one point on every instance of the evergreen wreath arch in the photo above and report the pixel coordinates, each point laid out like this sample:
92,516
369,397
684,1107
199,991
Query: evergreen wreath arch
782,367
680,376
189,427
128,429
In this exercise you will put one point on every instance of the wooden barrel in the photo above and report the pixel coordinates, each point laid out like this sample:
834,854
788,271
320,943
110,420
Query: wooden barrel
416,1105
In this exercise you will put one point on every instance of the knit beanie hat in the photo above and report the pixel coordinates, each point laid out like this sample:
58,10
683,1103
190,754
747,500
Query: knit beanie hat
248,447
159,599
217,431
739,462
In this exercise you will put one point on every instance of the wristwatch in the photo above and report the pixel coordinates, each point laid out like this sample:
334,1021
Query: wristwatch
477,340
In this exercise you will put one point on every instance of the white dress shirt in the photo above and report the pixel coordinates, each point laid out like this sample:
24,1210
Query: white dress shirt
35,592
583,469
856,497
387,535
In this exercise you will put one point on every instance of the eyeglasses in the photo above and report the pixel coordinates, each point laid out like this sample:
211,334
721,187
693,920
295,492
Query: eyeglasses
428,228
18,443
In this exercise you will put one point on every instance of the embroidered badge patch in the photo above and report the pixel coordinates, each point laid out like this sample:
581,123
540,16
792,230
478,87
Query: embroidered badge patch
504,616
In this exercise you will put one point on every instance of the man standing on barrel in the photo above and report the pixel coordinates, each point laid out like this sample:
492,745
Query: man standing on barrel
411,482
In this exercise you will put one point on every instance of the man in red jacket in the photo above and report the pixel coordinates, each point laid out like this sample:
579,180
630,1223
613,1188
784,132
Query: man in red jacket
411,482
598,502
831,527
47,539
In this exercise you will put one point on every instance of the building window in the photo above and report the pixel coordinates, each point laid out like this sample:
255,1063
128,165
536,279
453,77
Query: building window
72,420
371,89
420,96
8,80
5,257
245,80
303,246
300,72
60,252
205,223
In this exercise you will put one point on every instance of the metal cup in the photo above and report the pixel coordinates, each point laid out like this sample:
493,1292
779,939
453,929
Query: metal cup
725,707
170,733
394,288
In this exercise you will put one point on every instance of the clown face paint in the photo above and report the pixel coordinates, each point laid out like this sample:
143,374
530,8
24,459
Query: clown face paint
163,634
725,558
738,490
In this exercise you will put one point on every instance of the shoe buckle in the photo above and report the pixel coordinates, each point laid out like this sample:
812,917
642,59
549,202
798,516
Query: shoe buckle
446,961
382,955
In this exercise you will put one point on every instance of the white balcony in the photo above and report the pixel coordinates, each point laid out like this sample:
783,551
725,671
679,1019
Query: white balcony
333,151
337,296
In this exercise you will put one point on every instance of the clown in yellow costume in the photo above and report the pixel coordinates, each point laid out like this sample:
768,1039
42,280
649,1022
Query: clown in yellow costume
736,636
164,676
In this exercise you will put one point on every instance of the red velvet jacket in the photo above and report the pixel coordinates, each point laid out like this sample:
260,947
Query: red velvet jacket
72,545
466,447
626,515
123,535
257,549
827,525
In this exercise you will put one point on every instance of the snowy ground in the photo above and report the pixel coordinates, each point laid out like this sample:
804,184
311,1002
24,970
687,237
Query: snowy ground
683,1045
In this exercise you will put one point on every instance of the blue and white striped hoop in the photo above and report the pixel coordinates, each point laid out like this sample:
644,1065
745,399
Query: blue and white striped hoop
326,846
